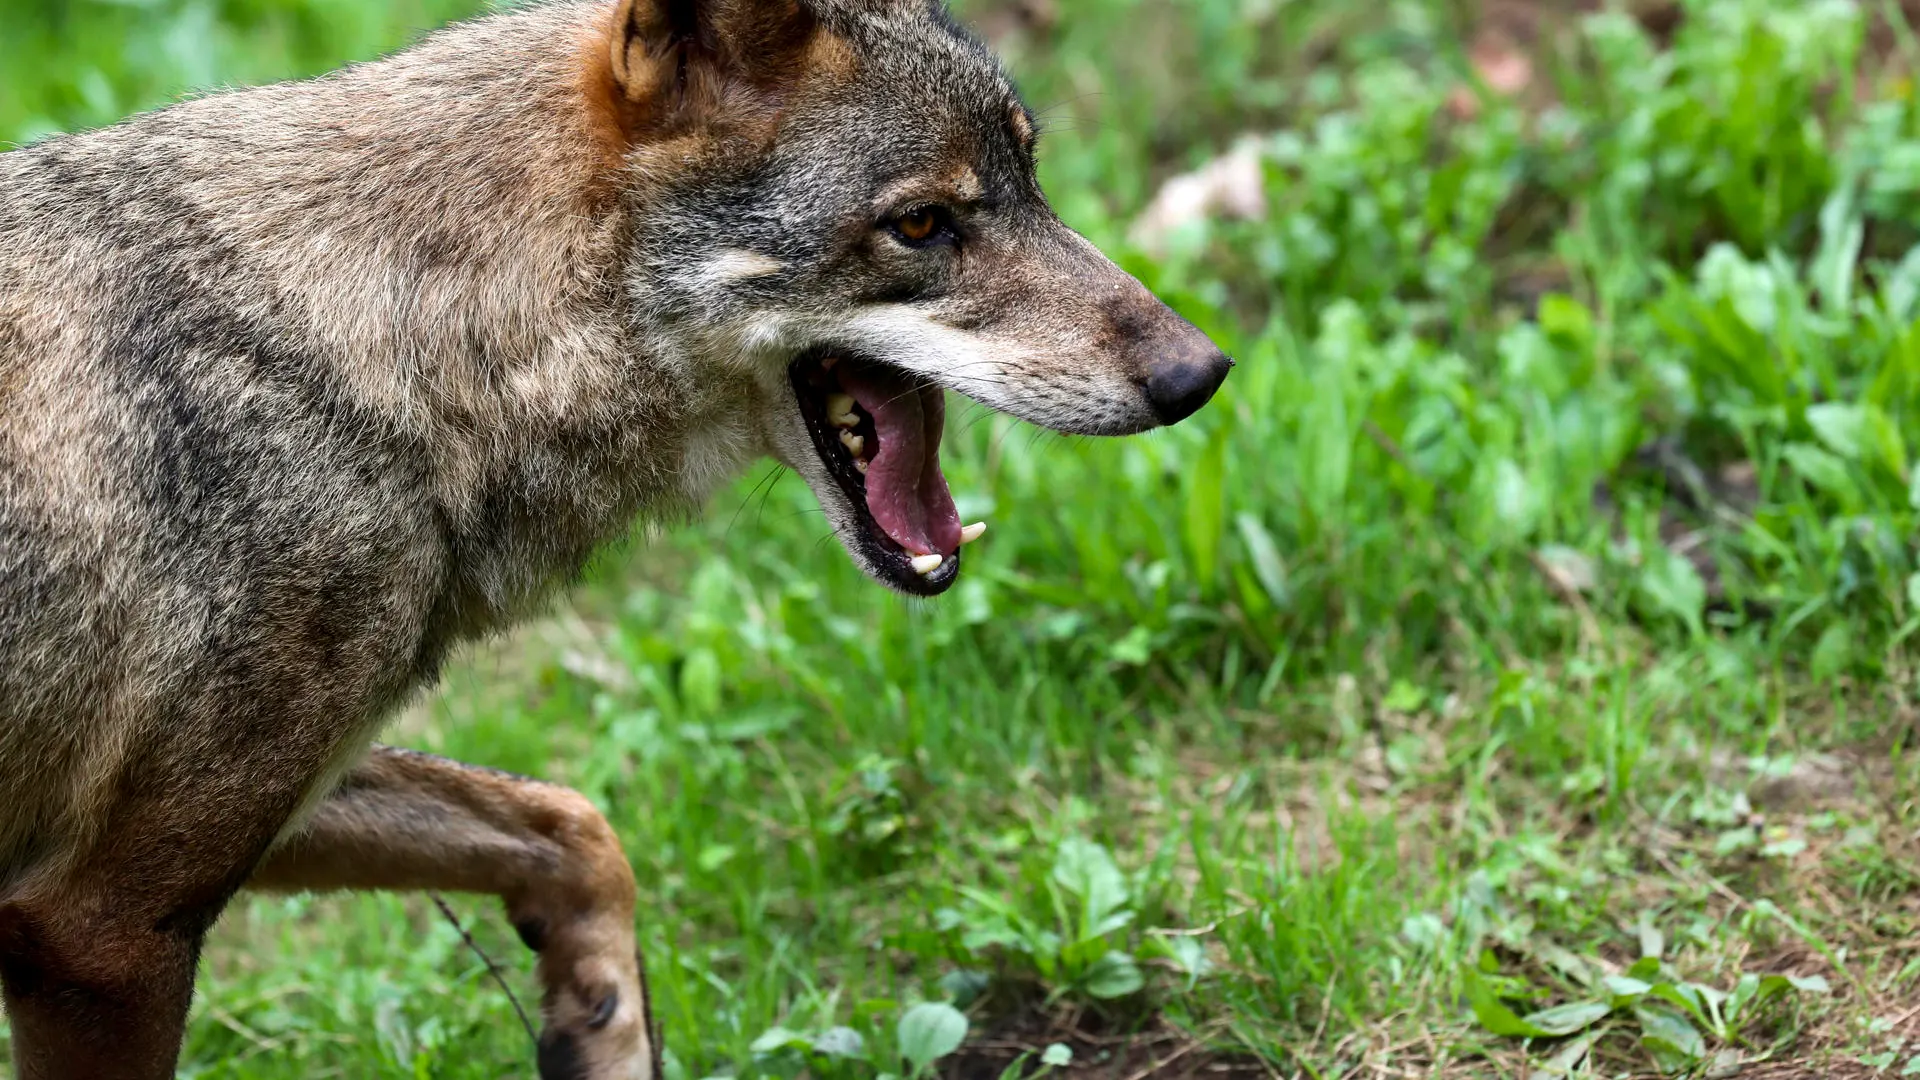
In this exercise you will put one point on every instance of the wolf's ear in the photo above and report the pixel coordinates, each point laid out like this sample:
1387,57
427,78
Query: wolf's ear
677,62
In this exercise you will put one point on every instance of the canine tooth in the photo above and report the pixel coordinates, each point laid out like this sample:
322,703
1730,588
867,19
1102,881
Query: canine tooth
855,444
840,410
973,532
927,564
827,364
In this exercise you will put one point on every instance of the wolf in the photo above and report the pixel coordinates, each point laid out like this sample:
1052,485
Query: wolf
303,385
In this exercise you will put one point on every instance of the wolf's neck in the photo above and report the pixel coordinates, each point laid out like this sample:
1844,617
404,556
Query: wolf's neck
443,228
439,221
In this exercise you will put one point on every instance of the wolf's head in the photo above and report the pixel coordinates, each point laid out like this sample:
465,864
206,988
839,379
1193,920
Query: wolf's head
837,203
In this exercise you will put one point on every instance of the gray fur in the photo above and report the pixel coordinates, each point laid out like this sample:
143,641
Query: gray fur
304,384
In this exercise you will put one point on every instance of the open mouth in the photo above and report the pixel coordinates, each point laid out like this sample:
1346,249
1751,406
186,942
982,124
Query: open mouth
877,429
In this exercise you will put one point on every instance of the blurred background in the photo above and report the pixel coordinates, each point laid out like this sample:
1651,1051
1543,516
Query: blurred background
1511,674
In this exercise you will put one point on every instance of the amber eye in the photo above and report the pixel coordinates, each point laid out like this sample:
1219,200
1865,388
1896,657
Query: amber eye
922,225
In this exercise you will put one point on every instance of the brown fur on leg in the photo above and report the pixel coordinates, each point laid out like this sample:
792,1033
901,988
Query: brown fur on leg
93,999
403,820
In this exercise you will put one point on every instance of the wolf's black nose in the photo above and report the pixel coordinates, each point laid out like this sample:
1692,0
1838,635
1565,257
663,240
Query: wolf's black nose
1178,384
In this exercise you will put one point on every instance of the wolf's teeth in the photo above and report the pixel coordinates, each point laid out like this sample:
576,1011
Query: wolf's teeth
927,564
840,411
855,444
973,532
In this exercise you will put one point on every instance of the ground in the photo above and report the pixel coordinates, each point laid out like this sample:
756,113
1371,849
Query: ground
1510,675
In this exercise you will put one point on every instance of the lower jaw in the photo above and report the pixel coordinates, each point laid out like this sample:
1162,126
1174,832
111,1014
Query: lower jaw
893,568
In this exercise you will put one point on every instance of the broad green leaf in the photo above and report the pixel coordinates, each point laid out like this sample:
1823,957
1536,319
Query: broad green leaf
1887,442
1686,997
714,856
1566,319
1134,648
1669,1036
1821,469
842,1042
1492,1013
1745,991
1733,840
1423,930
1191,954
1403,697
994,934
700,681
1114,975
780,1038
1835,264
1832,653
1268,566
1625,986
1788,847
1652,942
1567,962
1086,870
1751,290
1675,588
1902,288
1842,427
1514,503
929,1032
1569,1018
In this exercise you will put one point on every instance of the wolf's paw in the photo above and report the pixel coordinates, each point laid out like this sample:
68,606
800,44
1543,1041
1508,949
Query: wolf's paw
596,1020
615,1050
596,1030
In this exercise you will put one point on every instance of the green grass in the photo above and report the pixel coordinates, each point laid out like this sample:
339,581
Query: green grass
1529,625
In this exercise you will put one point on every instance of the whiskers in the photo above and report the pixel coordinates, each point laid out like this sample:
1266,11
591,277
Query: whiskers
762,488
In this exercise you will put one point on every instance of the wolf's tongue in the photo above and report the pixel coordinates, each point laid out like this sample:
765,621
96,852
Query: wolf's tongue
906,492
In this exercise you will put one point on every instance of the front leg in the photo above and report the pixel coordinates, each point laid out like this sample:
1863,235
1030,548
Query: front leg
405,820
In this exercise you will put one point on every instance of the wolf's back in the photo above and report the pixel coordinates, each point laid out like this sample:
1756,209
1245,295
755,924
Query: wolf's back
298,385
